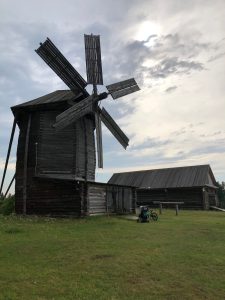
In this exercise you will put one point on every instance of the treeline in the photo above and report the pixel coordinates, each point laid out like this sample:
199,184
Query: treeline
7,205
221,193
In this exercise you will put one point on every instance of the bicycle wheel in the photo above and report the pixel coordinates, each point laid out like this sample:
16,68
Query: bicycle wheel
154,216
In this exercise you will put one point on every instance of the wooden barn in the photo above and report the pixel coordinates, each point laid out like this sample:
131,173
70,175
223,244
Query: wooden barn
194,185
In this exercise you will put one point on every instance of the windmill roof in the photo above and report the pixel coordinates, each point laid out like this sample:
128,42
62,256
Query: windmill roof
54,97
191,176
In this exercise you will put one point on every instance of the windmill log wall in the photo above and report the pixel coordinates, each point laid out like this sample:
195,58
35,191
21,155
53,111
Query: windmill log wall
63,151
52,153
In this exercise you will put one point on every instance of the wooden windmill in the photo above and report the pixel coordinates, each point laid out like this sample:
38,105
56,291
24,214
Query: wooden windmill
57,141
58,63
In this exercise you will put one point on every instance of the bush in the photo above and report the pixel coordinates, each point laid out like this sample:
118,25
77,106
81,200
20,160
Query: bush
7,206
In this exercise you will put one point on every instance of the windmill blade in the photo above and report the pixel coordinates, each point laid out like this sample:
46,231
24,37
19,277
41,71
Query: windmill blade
113,127
98,127
60,65
93,59
123,88
74,113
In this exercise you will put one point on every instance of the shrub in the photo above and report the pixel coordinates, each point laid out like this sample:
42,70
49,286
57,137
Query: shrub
7,206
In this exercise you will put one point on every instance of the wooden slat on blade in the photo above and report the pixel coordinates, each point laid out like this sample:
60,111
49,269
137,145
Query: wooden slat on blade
121,85
113,127
61,66
74,113
93,59
125,92
98,127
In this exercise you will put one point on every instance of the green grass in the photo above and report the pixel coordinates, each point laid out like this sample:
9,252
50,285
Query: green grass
178,257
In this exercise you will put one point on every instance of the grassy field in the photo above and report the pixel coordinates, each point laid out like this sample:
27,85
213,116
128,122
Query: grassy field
179,257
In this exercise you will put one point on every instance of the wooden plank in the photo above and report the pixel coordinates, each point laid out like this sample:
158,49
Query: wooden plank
25,166
113,127
217,208
93,59
125,92
74,113
98,126
61,66
118,86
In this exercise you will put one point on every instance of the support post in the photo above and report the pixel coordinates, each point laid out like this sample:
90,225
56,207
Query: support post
106,200
85,209
123,208
176,209
8,153
160,208
25,166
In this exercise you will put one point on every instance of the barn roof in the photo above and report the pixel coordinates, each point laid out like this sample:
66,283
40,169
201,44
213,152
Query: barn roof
192,176
56,97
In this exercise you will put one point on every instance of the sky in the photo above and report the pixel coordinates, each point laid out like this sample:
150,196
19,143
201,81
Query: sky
174,49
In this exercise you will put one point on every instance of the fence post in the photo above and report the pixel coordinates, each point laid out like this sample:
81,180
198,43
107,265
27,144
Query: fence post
176,209
160,208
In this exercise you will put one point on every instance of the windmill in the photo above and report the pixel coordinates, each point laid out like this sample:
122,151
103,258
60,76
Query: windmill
90,104
56,157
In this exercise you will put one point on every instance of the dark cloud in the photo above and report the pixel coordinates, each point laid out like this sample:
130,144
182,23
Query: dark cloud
171,89
173,65
217,56
219,132
169,54
217,147
179,132
152,143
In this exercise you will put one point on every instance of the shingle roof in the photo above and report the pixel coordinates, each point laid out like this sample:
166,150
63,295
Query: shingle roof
191,176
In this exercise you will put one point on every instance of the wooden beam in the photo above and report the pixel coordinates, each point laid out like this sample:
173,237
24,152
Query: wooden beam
98,128
74,113
8,153
25,166
11,182
113,127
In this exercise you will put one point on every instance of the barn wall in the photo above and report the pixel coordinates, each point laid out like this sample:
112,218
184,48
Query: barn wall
96,199
192,197
104,198
210,197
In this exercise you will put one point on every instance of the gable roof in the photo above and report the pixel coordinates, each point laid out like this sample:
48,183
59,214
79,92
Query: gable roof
192,176
56,97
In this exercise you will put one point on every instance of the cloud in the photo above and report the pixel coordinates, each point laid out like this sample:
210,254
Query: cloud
152,143
171,89
217,56
173,65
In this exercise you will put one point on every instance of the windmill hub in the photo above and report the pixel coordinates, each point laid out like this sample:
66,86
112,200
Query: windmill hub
102,96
